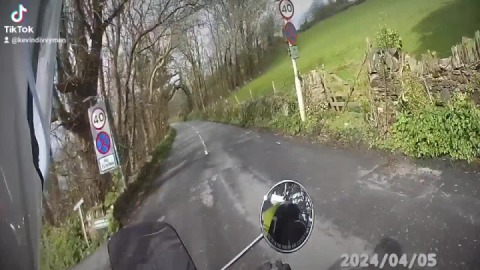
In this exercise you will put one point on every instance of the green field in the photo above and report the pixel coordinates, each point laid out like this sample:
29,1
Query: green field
339,42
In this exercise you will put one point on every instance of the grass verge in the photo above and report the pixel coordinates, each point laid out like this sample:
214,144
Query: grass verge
280,114
339,41
421,131
63,247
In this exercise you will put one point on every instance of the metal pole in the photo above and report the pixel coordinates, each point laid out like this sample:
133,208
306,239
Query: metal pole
298,86
114,134
243,252
123,181
83,226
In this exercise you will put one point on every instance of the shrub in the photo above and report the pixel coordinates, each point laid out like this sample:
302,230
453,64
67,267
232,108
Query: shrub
345,127
291,124
64,246
387,38
435,131
414,97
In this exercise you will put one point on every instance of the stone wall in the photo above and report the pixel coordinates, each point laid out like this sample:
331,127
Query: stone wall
441,77
458,73
385,68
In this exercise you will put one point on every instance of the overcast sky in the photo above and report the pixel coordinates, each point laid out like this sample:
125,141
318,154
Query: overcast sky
301,7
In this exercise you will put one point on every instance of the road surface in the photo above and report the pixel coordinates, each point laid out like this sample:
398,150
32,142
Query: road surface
212,186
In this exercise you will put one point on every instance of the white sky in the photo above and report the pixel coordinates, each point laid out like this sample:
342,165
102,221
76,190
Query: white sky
301,7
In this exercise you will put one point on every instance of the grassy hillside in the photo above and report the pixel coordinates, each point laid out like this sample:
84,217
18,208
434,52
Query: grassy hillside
339,42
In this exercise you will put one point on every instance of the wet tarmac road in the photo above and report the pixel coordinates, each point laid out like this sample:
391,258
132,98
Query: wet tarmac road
213,183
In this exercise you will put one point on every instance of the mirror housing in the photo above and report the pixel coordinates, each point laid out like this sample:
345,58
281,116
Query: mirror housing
287,216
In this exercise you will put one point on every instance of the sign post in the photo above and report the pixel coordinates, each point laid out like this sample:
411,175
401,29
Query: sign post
287,11
78,207
294,52
102,138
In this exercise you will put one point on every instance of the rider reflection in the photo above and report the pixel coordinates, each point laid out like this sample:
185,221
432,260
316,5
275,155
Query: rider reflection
287,227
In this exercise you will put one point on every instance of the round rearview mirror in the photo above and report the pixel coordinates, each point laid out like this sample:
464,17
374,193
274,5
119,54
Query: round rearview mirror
287,216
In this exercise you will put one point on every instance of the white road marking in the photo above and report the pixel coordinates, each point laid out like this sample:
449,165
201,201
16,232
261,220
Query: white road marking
201,139
6,185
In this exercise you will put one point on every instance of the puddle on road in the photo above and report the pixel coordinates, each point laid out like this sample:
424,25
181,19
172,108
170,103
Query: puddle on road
203,193
402,178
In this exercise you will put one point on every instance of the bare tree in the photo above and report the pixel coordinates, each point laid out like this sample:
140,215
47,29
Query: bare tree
229,47
110,47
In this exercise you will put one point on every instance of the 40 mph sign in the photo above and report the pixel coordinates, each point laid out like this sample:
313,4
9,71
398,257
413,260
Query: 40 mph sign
102,138
98,118
286,9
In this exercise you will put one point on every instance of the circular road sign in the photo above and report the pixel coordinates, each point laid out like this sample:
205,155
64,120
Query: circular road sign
103,143
98,118
291,33
286,9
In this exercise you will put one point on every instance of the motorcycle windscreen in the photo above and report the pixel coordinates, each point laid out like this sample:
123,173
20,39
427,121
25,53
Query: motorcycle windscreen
153,245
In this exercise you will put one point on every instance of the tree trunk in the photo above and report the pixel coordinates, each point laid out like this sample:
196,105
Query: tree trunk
48,213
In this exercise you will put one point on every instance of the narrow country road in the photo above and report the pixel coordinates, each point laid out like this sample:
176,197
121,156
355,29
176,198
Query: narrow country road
213,183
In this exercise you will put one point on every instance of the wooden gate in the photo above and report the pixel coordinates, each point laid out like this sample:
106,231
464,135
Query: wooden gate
321,85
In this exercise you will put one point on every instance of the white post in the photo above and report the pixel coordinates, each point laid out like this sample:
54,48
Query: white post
78,207
83,226
298,86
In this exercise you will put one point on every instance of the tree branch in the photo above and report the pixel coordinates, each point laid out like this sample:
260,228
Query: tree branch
150,29
69,85
115,13
172,93
160,63
83,16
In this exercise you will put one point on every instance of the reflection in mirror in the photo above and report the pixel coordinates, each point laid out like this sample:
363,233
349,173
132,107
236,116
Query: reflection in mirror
287,216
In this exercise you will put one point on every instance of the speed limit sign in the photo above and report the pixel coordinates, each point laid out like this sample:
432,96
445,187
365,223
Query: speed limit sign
98,118
286,9
103,141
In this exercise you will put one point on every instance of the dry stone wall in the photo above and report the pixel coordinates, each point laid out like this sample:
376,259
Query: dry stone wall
441,77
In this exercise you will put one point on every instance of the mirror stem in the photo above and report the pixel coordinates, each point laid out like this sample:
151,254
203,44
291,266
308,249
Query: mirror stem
243,252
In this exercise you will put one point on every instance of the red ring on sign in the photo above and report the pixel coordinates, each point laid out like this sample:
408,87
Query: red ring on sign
104,121
280,9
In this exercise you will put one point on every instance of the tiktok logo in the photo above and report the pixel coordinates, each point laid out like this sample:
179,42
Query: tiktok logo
17,15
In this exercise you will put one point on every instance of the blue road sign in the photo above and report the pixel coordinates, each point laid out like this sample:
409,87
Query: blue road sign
103,143
291,33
